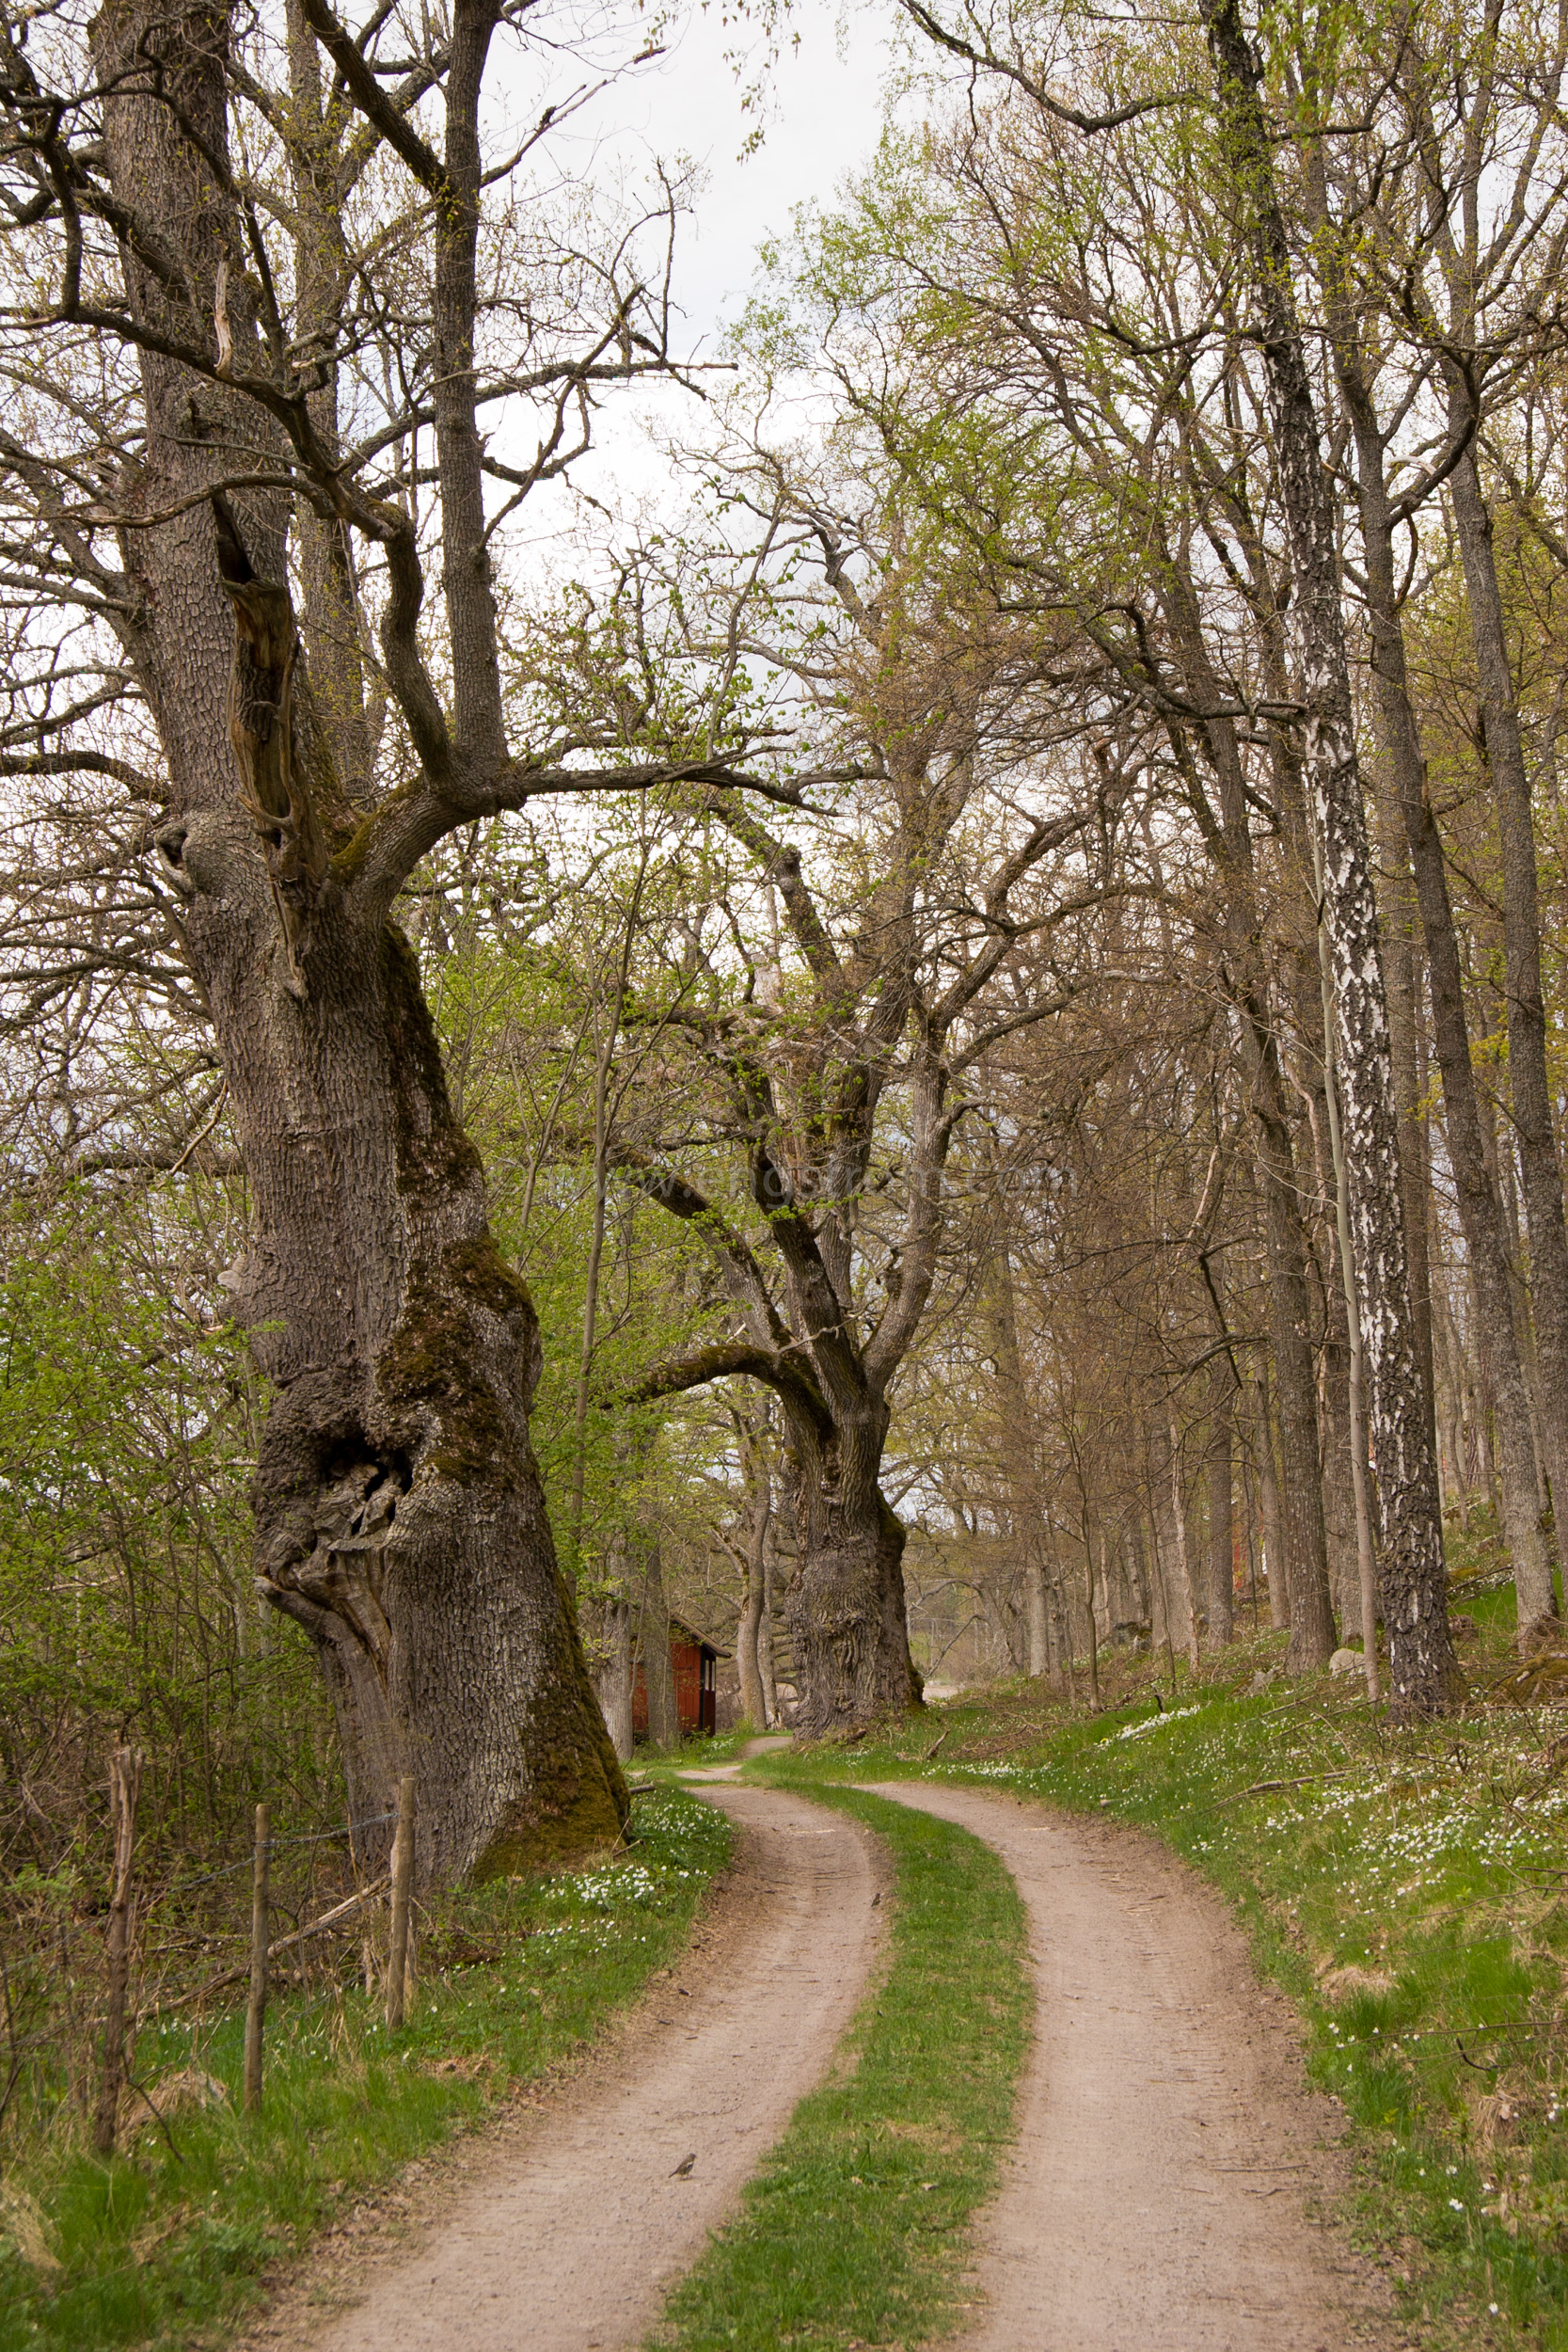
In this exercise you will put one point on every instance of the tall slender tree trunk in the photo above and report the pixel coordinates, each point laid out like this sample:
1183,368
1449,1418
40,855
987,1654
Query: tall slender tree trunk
1021,1461
1305,1558
766,1674
1185,1629
658,1673
1479,1216
1299,1576
753,1702
1268,1495
1038,1606
1422,1668
1338,1478
1366,1594
1450,1397
1404,971
1222,1529
1528,1080
612,1678
1090,1601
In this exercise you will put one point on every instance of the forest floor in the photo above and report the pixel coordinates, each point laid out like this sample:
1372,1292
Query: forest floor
1319,2101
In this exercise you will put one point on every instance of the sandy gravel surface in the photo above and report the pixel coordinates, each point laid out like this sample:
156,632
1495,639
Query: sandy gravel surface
564,2233
1169,2154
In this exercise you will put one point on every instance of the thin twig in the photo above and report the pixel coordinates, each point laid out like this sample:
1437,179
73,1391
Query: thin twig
1261,1787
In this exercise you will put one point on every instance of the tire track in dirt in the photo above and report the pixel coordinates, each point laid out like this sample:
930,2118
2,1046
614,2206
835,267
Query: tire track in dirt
1169,2151
566,2235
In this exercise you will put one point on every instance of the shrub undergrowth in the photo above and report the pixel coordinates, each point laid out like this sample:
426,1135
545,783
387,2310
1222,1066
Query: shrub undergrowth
173,2234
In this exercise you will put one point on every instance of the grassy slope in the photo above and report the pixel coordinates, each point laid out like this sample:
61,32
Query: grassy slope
170,2238
1428,1864
855,2230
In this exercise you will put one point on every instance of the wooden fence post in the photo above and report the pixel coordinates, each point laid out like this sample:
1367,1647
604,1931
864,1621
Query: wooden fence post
256,2012
402,1882
124,1789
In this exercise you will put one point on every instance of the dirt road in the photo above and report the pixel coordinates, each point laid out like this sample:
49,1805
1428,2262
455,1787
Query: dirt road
567,2235
1157,2200
1167,2149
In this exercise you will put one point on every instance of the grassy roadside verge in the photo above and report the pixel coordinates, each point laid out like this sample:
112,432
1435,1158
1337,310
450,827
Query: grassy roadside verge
167,2242
855,2230
1407,1889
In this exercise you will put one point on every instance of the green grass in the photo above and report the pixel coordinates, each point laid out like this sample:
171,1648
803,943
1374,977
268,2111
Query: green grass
697,1749
1430,1863
856,2228
168,2240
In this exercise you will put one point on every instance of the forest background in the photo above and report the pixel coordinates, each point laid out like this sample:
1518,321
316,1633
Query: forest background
977,552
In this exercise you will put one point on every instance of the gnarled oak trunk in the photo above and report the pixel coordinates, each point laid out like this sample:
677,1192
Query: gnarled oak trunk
846,1606
400,1517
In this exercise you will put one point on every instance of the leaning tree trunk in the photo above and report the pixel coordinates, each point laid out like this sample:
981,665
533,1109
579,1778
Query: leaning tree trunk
1423,1672
400,1517
844,1606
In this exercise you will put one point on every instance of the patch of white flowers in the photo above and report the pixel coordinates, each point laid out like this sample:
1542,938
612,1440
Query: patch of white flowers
1157,1723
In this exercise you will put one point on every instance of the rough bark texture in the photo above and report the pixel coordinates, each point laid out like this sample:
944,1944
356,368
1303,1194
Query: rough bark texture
846,1606
1423,1671
400,1517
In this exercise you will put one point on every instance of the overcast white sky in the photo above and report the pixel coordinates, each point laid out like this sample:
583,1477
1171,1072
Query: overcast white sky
823,114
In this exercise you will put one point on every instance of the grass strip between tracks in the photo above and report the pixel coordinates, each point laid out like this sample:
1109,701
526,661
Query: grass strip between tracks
167,2241
856,2228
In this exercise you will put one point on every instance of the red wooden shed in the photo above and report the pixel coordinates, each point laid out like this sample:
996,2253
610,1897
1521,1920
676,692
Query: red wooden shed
692,1661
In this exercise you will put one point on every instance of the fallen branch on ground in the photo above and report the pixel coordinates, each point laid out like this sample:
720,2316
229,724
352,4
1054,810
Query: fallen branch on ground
337,1917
